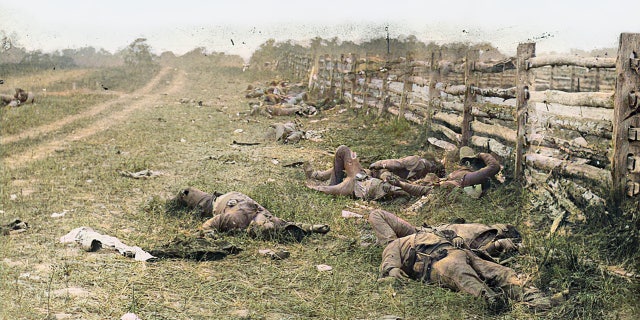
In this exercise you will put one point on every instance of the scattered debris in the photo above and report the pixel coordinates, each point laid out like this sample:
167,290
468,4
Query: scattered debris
238,131
14,227
275,161
144,174
245,143
59,214
200,248
275,255
183,140
296,164
92,241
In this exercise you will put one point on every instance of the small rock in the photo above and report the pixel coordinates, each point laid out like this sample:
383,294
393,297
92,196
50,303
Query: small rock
129,316
238,131
349,214
243,313
59,214
324,267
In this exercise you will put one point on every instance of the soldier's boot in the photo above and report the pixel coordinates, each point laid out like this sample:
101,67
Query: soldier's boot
535,299
315,174
294,137
308,169
495,301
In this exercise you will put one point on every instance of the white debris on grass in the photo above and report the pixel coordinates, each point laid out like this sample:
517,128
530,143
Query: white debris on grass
90,240
59,214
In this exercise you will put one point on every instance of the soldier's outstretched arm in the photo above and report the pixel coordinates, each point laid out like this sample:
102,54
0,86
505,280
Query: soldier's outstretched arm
492,167
410,188
390,164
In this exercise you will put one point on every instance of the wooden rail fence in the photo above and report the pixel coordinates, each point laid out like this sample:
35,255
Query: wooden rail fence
574,117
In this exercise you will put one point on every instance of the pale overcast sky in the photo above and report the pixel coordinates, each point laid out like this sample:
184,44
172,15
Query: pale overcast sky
182,25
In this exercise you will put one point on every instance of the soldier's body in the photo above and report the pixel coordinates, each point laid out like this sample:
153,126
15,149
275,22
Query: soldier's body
473,174
442,257
9,100
410,168
347,177
493,239
24,96
236,211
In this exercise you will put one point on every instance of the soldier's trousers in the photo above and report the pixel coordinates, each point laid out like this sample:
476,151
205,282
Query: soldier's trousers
462,270
388,227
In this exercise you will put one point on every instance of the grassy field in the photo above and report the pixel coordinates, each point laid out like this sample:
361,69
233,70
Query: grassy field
74,166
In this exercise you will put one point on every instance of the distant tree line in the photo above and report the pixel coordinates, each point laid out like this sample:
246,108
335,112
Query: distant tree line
403,46
381,47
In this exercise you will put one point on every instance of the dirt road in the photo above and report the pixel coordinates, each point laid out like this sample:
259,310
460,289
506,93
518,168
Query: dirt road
144,97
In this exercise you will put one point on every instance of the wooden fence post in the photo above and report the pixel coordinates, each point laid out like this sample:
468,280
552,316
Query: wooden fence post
332,72
354,78
525,51
469,97
625,167
364,84
433,80
384,101
573,75
407,87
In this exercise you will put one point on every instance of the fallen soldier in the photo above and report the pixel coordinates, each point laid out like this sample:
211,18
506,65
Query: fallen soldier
289,132
283,110
409,168
473,175
8,100
493,240
442,257
235,211
24,96
349,178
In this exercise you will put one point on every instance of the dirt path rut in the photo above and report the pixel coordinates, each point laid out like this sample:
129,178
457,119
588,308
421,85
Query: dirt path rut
146,99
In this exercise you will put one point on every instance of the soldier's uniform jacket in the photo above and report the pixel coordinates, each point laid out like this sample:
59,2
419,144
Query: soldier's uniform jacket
476,235
431,257
410,167
388,227
231,211
404,252
236,211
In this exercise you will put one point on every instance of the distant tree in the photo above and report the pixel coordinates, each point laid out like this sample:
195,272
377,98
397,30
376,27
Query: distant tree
138,54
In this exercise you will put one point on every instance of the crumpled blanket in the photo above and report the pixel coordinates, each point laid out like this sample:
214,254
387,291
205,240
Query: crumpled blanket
92,241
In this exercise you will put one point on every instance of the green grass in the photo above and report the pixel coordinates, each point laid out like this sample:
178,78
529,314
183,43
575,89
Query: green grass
84,179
